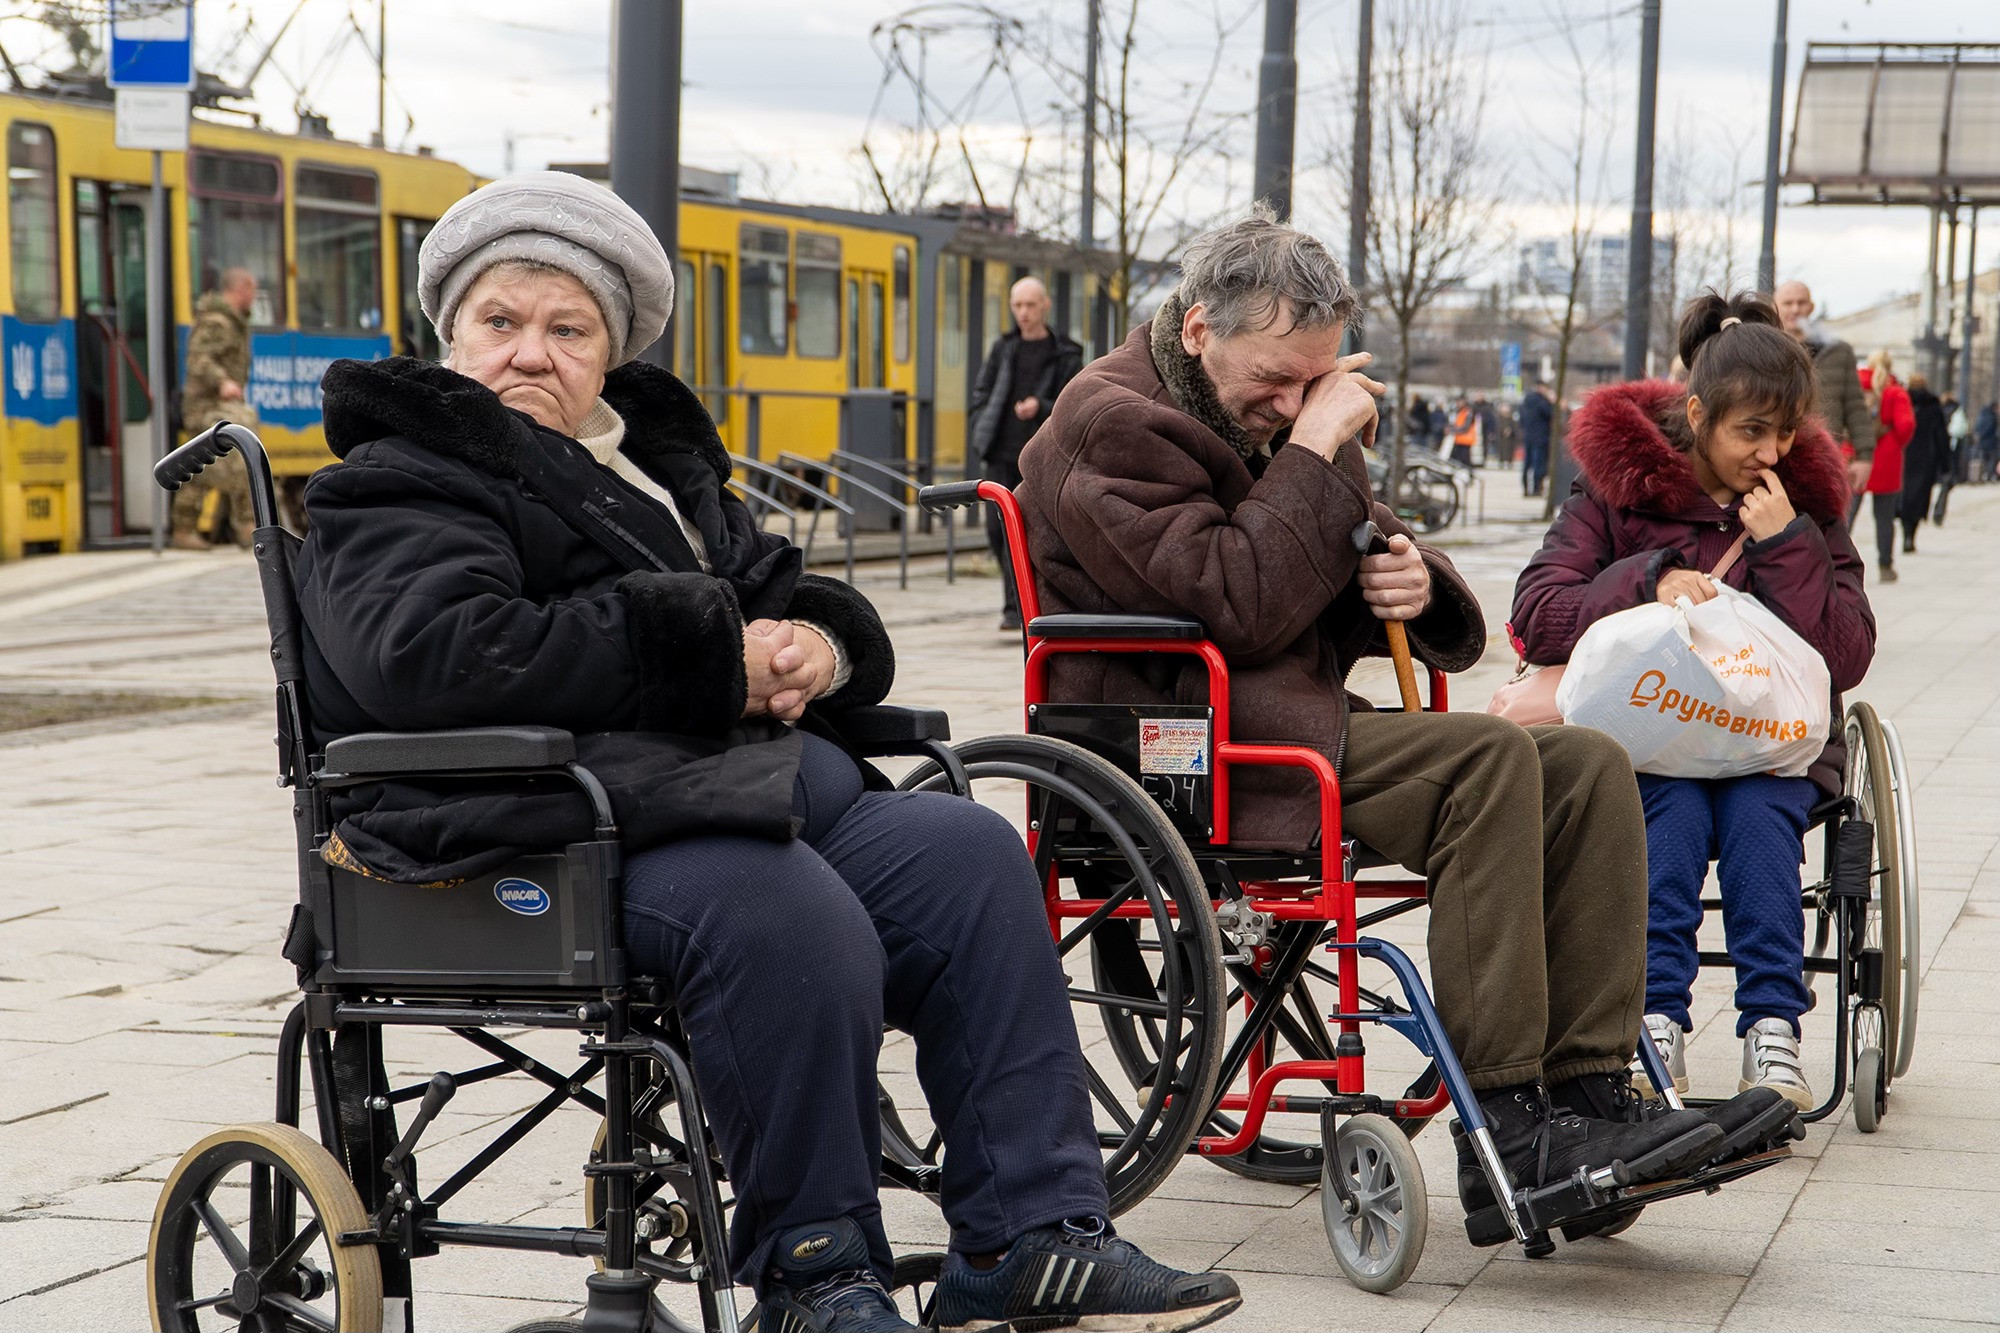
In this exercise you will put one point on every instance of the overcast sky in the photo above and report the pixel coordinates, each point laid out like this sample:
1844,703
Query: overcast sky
781,91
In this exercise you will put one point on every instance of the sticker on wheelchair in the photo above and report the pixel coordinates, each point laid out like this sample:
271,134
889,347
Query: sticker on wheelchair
1170,745
522,896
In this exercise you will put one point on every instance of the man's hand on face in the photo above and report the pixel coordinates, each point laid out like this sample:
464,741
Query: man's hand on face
1338,406
1397,584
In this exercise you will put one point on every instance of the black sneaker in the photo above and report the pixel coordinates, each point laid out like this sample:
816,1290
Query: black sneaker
1540,1143
1010,619
820,1282
1079,1275
1751,1121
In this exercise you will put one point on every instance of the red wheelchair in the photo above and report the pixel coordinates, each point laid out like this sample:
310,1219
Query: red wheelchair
1199,968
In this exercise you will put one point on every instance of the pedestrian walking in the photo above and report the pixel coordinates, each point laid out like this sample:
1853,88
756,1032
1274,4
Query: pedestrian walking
1958,431
1926,458
1842,404
1465,433
1677,479
1419,423
1017,388
1986,443
1890,403
1538,412
218,375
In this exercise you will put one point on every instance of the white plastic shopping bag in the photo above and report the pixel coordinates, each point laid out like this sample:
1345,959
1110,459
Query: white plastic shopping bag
1719,690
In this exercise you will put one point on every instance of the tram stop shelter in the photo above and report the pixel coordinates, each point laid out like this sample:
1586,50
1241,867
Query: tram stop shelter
1910,124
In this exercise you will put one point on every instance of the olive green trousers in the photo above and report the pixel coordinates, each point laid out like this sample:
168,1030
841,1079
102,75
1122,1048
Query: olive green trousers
1533,841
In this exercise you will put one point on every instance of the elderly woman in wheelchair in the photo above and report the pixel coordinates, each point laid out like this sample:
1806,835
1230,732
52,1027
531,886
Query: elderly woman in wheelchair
541,531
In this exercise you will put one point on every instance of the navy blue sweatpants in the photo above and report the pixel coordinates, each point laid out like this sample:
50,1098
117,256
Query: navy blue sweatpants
918,910
1754,830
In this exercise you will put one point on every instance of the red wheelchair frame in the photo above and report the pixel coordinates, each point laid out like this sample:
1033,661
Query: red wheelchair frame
1332,899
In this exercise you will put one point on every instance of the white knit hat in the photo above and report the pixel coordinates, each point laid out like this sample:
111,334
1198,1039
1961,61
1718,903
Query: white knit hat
567,222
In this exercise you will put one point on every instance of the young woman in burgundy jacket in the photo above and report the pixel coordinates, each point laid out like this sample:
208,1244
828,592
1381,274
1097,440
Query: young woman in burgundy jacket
1672,474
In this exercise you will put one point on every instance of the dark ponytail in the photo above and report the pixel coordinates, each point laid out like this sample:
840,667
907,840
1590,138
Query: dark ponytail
1751,363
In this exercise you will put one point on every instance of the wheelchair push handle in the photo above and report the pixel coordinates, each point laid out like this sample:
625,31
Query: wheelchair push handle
1368,540
949,495
189,461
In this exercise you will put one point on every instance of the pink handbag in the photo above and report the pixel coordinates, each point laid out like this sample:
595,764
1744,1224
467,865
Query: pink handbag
1530,698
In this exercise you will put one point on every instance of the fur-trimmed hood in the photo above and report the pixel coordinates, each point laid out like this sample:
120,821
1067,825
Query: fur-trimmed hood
1620,441
443,410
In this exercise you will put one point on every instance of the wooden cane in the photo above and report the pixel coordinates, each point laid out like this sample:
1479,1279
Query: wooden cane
1368,540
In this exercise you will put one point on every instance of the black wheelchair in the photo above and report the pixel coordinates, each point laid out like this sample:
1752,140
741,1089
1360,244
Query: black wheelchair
268,1227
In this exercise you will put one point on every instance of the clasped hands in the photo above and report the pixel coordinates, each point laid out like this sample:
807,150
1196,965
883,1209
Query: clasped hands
786,666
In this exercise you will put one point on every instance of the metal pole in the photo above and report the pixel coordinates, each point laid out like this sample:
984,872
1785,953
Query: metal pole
1639,252
646,126
1277,95
1941,381
159,328
1767,257
1927,344
1086,225
1965,342
382,73
1359,197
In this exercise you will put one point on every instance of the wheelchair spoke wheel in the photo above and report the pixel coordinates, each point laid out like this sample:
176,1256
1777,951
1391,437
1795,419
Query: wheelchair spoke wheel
1377,1218
1906,872
1137,939
1298,1032
1871,782
245,1237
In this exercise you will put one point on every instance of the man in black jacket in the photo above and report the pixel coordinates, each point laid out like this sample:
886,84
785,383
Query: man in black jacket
1538,412
1017,387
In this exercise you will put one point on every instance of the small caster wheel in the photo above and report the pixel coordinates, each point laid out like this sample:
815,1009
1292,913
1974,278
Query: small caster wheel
1538,1245
1377,1243
914,1287
1871,1097
243,1236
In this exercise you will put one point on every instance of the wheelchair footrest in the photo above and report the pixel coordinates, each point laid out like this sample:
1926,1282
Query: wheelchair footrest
1576,1203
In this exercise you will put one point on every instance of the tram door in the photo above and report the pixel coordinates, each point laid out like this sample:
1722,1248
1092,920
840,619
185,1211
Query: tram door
115,405
867,329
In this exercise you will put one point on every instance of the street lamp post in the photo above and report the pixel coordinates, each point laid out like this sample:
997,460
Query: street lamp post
646,126
1277,95
1767,255
1639,253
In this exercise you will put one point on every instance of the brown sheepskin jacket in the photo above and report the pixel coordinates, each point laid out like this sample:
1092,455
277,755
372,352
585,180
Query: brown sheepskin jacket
1142,498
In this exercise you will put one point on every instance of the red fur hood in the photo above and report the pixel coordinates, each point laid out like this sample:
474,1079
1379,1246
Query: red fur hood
1627,459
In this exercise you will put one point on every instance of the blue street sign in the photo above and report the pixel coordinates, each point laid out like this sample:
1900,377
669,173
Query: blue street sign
152,44
1510,369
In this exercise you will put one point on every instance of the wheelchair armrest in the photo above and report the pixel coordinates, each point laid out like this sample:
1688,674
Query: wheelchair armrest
459,750
1083,625
880,729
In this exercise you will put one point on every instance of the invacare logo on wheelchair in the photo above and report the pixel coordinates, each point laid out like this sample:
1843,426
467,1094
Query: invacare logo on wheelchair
522,896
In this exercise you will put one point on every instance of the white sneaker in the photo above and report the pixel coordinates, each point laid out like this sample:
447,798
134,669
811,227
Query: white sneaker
1666,1035
1771,1060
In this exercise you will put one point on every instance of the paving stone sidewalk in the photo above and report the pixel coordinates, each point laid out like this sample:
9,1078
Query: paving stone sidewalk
145,877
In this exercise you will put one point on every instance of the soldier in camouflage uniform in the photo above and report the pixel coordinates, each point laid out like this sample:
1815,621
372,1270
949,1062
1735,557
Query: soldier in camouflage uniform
218,369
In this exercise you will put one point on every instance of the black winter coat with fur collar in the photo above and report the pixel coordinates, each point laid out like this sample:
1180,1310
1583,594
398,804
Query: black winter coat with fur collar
466,566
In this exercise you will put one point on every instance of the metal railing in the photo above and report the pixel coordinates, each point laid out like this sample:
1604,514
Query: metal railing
753,406
823,500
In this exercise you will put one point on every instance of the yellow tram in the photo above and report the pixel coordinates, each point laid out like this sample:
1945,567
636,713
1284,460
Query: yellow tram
784,312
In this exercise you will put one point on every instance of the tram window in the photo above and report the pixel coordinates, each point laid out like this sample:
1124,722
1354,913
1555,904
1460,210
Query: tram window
902,303
339,249
419,339
877,372
239,222
686,332
31,220
819,294
951,278
760,280
715,339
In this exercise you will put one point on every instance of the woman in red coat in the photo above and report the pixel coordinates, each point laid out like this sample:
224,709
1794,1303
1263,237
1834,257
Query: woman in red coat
1672,476
1885,479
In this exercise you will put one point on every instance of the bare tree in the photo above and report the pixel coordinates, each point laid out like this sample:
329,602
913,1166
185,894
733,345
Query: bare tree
1704,215
1576,179
1427,226
995,100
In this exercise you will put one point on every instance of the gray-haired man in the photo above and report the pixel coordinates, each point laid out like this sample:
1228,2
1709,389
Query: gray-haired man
1211,467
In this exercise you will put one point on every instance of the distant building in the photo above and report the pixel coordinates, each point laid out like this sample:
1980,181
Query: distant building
1544,270
1896,324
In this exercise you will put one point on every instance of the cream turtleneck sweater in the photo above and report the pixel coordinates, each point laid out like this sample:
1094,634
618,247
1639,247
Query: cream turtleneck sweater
602,431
